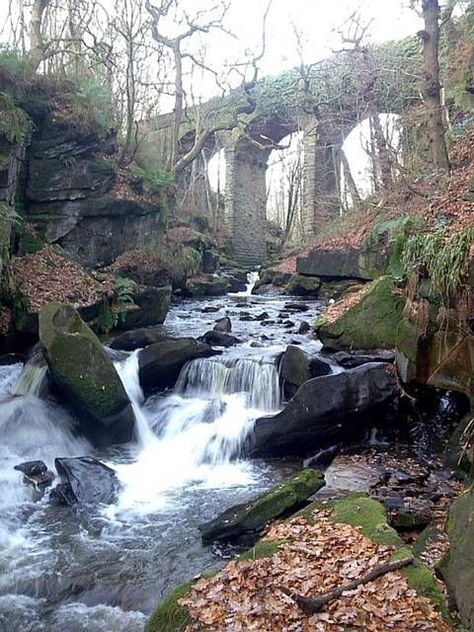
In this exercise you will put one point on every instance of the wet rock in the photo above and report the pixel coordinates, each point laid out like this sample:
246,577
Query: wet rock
161,363
11,358
206,286
323,458
246,317
252,516
304,327
37,474
297,366
219,339
32,468
296,307
265,323
153,304
256,344
209,309
324,409
224,325
84,480
288,324
137,339
85,375
262,316
283,315
352,360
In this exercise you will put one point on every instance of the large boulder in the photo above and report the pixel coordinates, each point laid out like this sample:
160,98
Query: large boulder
372,323
458,566
323,411
342,264
300,285
209,285
298,366
84,480
85,375
251,517
161,363
137,339
153,305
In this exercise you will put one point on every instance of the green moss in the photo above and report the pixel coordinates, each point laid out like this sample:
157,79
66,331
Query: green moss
169,616
303,285
370,324
262,549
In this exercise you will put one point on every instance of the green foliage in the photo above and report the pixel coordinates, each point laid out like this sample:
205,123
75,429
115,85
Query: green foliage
443,260
112,313
151,180
191,260
8,216
394,232
20,308
13,63
14,122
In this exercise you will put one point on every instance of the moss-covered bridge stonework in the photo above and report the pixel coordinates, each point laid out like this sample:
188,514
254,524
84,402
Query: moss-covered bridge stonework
325,101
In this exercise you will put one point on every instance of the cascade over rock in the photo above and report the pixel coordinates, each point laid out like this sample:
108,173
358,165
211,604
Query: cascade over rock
324,410
160,363
85,375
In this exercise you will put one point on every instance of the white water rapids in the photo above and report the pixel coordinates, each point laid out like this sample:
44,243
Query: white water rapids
186,442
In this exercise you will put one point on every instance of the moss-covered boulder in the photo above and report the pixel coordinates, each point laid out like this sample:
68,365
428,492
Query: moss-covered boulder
85,375
252,516
301,285
371,323
458,566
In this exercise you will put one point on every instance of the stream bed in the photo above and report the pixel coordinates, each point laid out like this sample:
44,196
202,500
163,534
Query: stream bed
71,569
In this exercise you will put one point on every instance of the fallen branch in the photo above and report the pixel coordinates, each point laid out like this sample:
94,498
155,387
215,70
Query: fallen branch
311,605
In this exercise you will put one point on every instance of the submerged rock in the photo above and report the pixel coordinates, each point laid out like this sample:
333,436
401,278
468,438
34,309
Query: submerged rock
224,325
85,375
252,516
36,473
160,364
84,480
219,339
324,409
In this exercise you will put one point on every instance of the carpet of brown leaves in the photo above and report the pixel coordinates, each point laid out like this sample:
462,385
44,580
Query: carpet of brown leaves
247,595
50,276
332,312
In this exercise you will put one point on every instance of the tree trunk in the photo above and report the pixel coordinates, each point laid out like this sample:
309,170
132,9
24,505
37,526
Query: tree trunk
349,181
432,86
35,33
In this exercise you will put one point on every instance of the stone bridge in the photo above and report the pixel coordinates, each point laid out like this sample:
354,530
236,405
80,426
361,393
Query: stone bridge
325,102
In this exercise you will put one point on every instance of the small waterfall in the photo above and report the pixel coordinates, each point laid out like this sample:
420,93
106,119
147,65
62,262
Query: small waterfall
128,373
256,377
252,278
33,377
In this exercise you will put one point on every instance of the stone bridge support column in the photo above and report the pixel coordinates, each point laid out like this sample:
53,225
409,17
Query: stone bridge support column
321,188
246,201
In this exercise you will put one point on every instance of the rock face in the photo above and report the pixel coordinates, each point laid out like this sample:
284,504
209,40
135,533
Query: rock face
341,264
84,480
85,375
70,198
297,366
250,517
458,566
323,411
373,323
160,364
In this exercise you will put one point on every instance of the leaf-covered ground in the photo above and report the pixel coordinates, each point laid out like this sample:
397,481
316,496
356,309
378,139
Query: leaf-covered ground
314,558
48,275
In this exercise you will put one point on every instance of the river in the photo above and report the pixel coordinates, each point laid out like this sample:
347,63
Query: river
67,569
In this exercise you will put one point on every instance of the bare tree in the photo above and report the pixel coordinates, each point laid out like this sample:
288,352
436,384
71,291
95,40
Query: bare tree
432,85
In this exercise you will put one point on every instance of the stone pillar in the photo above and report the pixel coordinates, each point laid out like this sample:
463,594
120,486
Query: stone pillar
321,188
246,202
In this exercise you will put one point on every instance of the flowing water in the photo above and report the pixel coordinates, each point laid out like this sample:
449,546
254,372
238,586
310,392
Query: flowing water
70,569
